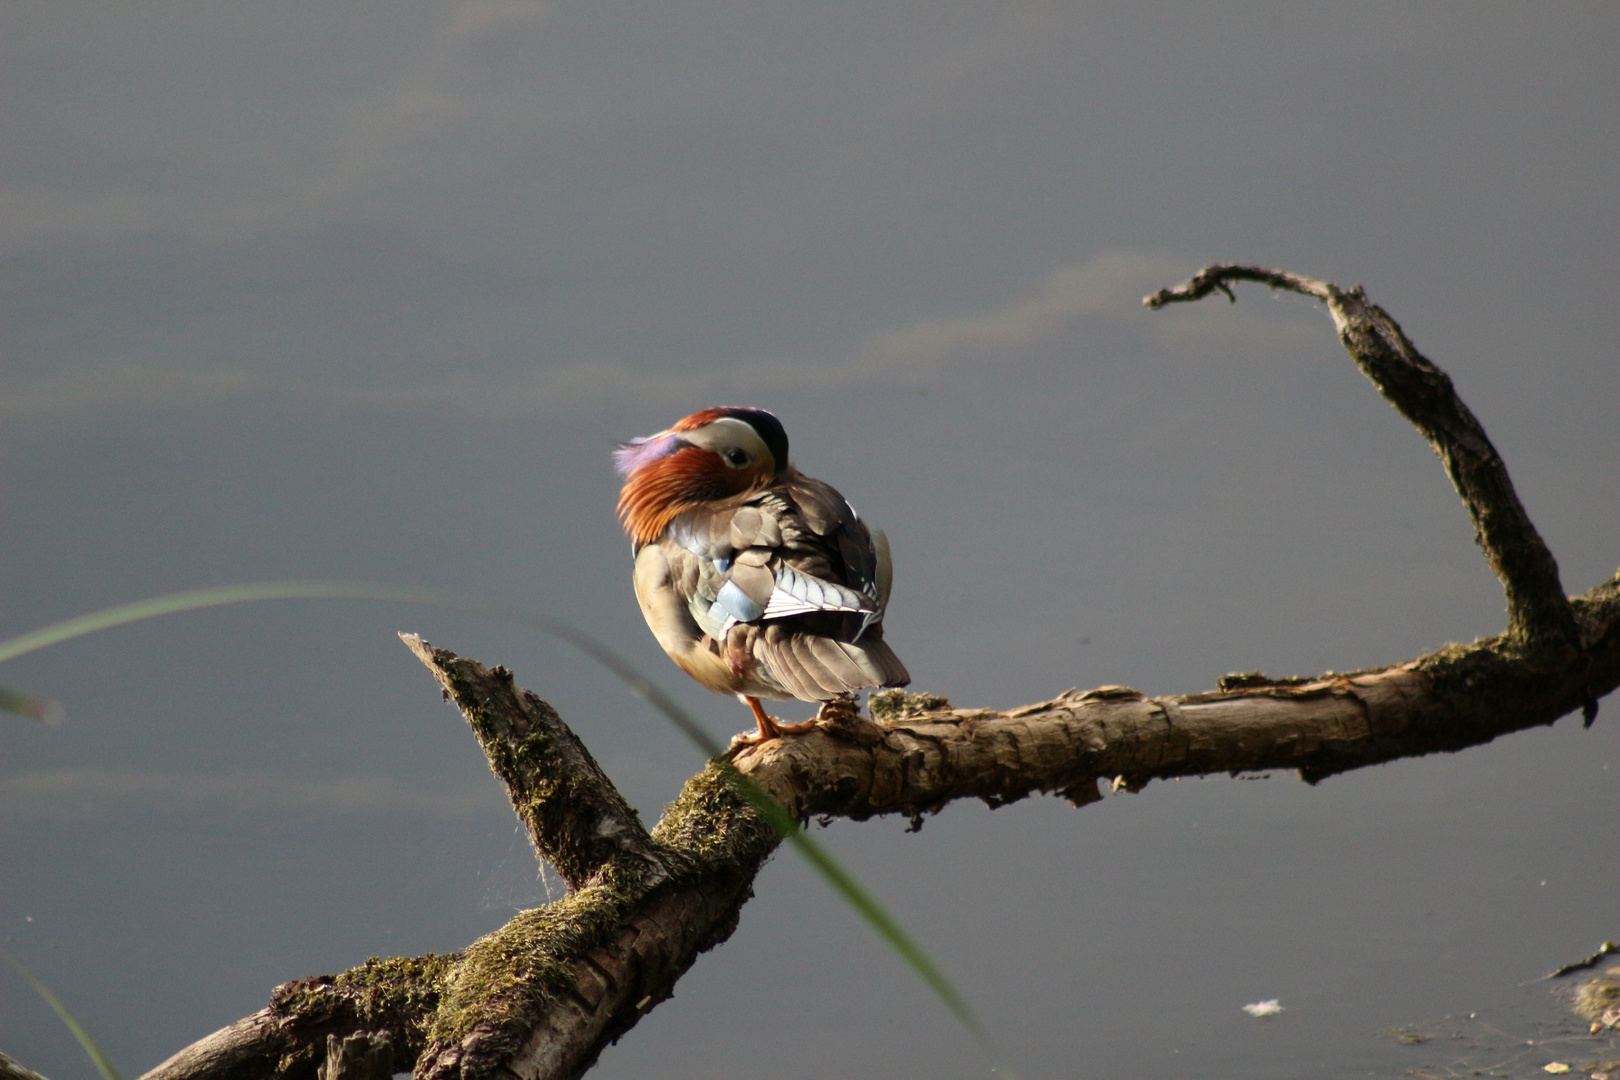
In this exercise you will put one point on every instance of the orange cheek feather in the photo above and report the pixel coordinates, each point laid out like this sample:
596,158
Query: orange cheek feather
659,492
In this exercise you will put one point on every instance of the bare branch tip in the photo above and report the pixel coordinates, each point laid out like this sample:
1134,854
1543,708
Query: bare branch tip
425,651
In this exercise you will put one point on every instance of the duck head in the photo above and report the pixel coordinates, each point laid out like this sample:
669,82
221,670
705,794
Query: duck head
711,455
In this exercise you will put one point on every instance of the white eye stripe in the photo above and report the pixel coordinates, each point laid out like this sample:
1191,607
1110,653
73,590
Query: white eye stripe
727,437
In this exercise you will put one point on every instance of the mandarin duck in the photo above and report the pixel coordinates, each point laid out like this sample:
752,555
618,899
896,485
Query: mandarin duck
757,580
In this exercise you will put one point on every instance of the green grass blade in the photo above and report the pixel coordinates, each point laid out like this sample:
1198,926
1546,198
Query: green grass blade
819,858
867,907
103,1066
196,599
219,596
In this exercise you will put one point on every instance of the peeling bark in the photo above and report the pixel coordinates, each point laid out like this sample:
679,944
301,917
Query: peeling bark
542,996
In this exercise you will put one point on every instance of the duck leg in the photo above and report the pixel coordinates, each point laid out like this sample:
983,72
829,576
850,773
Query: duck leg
772,728
768,727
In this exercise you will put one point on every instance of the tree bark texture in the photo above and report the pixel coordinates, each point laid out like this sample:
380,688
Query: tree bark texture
542,996
11,1070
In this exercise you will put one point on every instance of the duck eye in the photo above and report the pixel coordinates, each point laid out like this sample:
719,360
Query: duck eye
736,457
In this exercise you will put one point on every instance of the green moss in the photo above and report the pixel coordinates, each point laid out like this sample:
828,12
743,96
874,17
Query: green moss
379,991
712,823
1599,998
1459,673
399,995
711,837
889,706
1251,680
401,986
561,804
710,830
523,967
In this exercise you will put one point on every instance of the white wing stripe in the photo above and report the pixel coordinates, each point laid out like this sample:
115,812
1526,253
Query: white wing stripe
801,594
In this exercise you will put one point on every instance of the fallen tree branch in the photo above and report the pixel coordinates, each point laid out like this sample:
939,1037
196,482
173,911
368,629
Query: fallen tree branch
14,1070
542,996
576,818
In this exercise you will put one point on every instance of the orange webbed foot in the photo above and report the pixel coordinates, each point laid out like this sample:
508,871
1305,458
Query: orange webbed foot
771,727
768,727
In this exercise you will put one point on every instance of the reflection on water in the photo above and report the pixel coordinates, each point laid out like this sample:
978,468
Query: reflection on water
1534,1033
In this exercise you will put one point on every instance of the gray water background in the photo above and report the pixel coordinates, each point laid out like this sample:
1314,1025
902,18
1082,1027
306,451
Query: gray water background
370,290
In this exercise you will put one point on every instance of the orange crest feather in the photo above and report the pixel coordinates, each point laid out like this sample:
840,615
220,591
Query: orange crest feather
662,490
698,419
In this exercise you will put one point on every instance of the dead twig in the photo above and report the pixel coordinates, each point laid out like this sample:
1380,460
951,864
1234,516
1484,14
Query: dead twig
1540,621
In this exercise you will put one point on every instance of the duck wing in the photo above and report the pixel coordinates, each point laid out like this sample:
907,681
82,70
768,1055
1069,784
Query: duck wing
790,585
